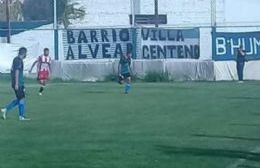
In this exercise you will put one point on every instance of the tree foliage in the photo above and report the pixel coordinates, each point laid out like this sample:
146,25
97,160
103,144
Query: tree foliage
67,10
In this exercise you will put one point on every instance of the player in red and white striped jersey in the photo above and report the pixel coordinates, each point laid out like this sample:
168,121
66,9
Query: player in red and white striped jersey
43,69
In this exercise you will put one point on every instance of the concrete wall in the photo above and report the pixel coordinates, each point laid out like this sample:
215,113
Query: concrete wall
180,12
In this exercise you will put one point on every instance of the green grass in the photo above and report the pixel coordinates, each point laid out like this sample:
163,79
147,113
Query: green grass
158,125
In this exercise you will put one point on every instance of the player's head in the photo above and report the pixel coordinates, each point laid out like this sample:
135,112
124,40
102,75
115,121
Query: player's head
126,56
129,54
46,51
22,52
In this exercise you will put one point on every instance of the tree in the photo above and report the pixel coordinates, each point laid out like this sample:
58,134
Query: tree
43,10
2,11
67,11
16,11
38,10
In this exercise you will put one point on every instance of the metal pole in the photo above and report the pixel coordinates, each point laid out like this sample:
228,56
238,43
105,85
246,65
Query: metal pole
133,13
213,27
133,30
213,13
54,14
156,12
8,21
56,33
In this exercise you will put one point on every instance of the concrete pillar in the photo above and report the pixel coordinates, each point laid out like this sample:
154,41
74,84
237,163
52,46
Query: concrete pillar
137,6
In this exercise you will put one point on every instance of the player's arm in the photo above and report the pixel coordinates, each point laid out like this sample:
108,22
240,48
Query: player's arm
119,68
17,65
242,52
50,66
16,79
129,66
35,62
130,69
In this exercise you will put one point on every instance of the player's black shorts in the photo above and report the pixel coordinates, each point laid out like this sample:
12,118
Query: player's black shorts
126,75
20,94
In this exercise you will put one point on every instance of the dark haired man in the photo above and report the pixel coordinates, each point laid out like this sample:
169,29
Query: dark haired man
17,85
124,71
241,59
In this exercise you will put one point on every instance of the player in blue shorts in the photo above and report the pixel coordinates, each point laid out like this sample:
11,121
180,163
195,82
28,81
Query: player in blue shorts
17,85
124,71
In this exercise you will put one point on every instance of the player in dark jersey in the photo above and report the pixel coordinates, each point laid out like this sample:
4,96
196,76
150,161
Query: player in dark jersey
124,71
241,59
43,69
17,85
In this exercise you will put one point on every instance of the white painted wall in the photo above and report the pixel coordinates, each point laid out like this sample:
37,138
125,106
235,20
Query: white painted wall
180,12
242,11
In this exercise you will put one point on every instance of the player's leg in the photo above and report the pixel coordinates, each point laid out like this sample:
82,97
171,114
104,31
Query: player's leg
240,71
42,86
19,95
21,104
127,83
9,107
43,81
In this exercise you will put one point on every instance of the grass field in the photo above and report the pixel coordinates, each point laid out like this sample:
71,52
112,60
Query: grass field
158,125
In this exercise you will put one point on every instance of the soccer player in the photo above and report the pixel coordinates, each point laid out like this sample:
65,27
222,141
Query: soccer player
17,85
241,59
43,69
124,71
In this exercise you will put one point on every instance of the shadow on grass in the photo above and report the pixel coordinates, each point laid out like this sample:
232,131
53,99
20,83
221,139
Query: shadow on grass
247,166
244,98
226,137
247,125
237,154
256,114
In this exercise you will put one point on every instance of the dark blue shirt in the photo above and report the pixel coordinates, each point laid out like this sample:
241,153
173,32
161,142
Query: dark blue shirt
125,63
240,58
17,65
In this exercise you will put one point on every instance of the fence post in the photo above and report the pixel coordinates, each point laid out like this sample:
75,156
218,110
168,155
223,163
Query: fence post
7,3
213,26
56,32
133,29
156,12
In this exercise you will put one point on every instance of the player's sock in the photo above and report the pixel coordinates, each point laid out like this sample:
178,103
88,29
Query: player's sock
21,106
11,105
127,88
41,89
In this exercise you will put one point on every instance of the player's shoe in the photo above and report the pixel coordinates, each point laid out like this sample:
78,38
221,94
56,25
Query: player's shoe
4,113
240,82
21,118
40,94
